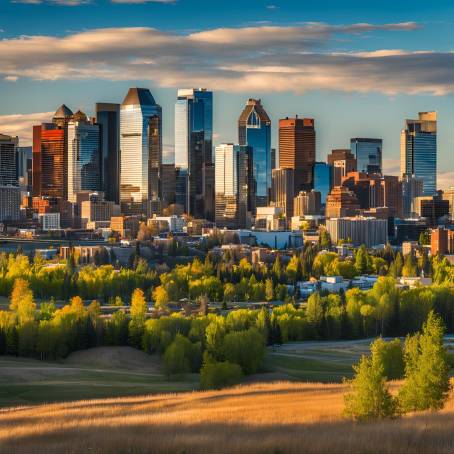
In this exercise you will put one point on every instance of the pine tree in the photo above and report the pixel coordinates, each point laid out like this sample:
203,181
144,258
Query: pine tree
426,368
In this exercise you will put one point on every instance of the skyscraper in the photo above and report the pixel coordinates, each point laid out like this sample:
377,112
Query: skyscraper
418,150
282,190
140,146
50,156
193,151
84,156
232,185
108,119
297,150
412,187
8,160
368,154
254,130
323,179
343,162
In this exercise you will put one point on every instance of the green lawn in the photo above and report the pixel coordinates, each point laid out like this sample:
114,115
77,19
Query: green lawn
26,381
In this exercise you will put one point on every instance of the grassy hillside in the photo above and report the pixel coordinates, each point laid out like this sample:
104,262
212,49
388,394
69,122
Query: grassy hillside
88,374
262,418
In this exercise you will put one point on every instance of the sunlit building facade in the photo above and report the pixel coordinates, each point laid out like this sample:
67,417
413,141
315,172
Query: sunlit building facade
140,147
8,160
254,130
418,150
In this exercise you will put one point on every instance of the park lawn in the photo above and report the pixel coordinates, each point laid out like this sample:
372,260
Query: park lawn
25,381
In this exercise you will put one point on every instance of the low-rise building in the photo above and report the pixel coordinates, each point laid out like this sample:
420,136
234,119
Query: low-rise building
270,218
49,221
358,230
334,284
125,226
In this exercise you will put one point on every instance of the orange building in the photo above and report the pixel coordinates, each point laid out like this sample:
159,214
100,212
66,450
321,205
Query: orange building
341,202
343,162
442,241
297,150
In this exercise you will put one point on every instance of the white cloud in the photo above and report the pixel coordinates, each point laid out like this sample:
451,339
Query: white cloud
268,58
21,125
445,179
54,2
11,78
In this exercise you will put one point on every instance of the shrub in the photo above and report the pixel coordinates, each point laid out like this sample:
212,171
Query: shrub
216,375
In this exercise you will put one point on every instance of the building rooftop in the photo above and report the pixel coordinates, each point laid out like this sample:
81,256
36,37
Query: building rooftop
63,111
139,96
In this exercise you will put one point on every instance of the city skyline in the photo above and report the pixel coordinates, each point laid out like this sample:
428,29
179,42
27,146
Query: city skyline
350,45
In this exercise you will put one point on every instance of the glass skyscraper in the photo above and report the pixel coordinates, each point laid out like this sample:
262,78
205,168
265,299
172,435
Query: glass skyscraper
368,154
193,151
323,179
8,160
108,119
254,130
140,146
84,156
418,150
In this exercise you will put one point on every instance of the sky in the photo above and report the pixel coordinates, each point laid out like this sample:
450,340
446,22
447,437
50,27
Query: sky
358,68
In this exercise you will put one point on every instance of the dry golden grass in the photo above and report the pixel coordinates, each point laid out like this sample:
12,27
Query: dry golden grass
261,418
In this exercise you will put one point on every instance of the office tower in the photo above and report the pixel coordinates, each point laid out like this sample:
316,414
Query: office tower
368,154
23,161
282,187
359,230
297,150
341,202
448,194
168,184
9,203
433,208
193,151
418,150
84,156
412,187
8,160
307,203
140,147
376,191
254,130
108,119
232,185
343,162
323,179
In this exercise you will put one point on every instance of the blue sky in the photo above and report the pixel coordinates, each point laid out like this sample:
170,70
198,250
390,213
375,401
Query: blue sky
358,68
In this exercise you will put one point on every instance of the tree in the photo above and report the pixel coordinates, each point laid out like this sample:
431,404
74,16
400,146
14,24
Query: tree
269,290
216,375
324,239
362,260
314,310
409,269
22,301
390,355
426,384
138,312
161,298
369,397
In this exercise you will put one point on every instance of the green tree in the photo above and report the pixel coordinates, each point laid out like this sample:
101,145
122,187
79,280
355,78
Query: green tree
269,290
138,312
22,301
409,269
216,375
368,397
315,310
426,384
390,355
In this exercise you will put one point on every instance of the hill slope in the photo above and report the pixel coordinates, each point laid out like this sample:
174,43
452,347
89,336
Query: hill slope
262,418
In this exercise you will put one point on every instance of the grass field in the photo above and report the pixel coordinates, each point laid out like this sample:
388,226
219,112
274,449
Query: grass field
89,374
278,418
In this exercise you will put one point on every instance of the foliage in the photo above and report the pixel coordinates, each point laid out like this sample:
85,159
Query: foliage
216,375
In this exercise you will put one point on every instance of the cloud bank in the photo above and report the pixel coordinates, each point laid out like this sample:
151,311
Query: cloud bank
262,58
21,125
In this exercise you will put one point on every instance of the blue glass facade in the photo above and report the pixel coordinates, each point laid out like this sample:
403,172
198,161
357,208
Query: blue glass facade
193,149
254,130
419,150
368,154
323,179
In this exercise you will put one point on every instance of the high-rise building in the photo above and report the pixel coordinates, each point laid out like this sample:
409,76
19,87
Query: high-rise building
273,158
307,203
108,119
343,162
254,130
412,187
297,150
193,151
140,147
448,194
323,179
368,154
282,187
441,241
341,202
233,178
168,184
23,158
9,203
418,150
84,156
8,160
